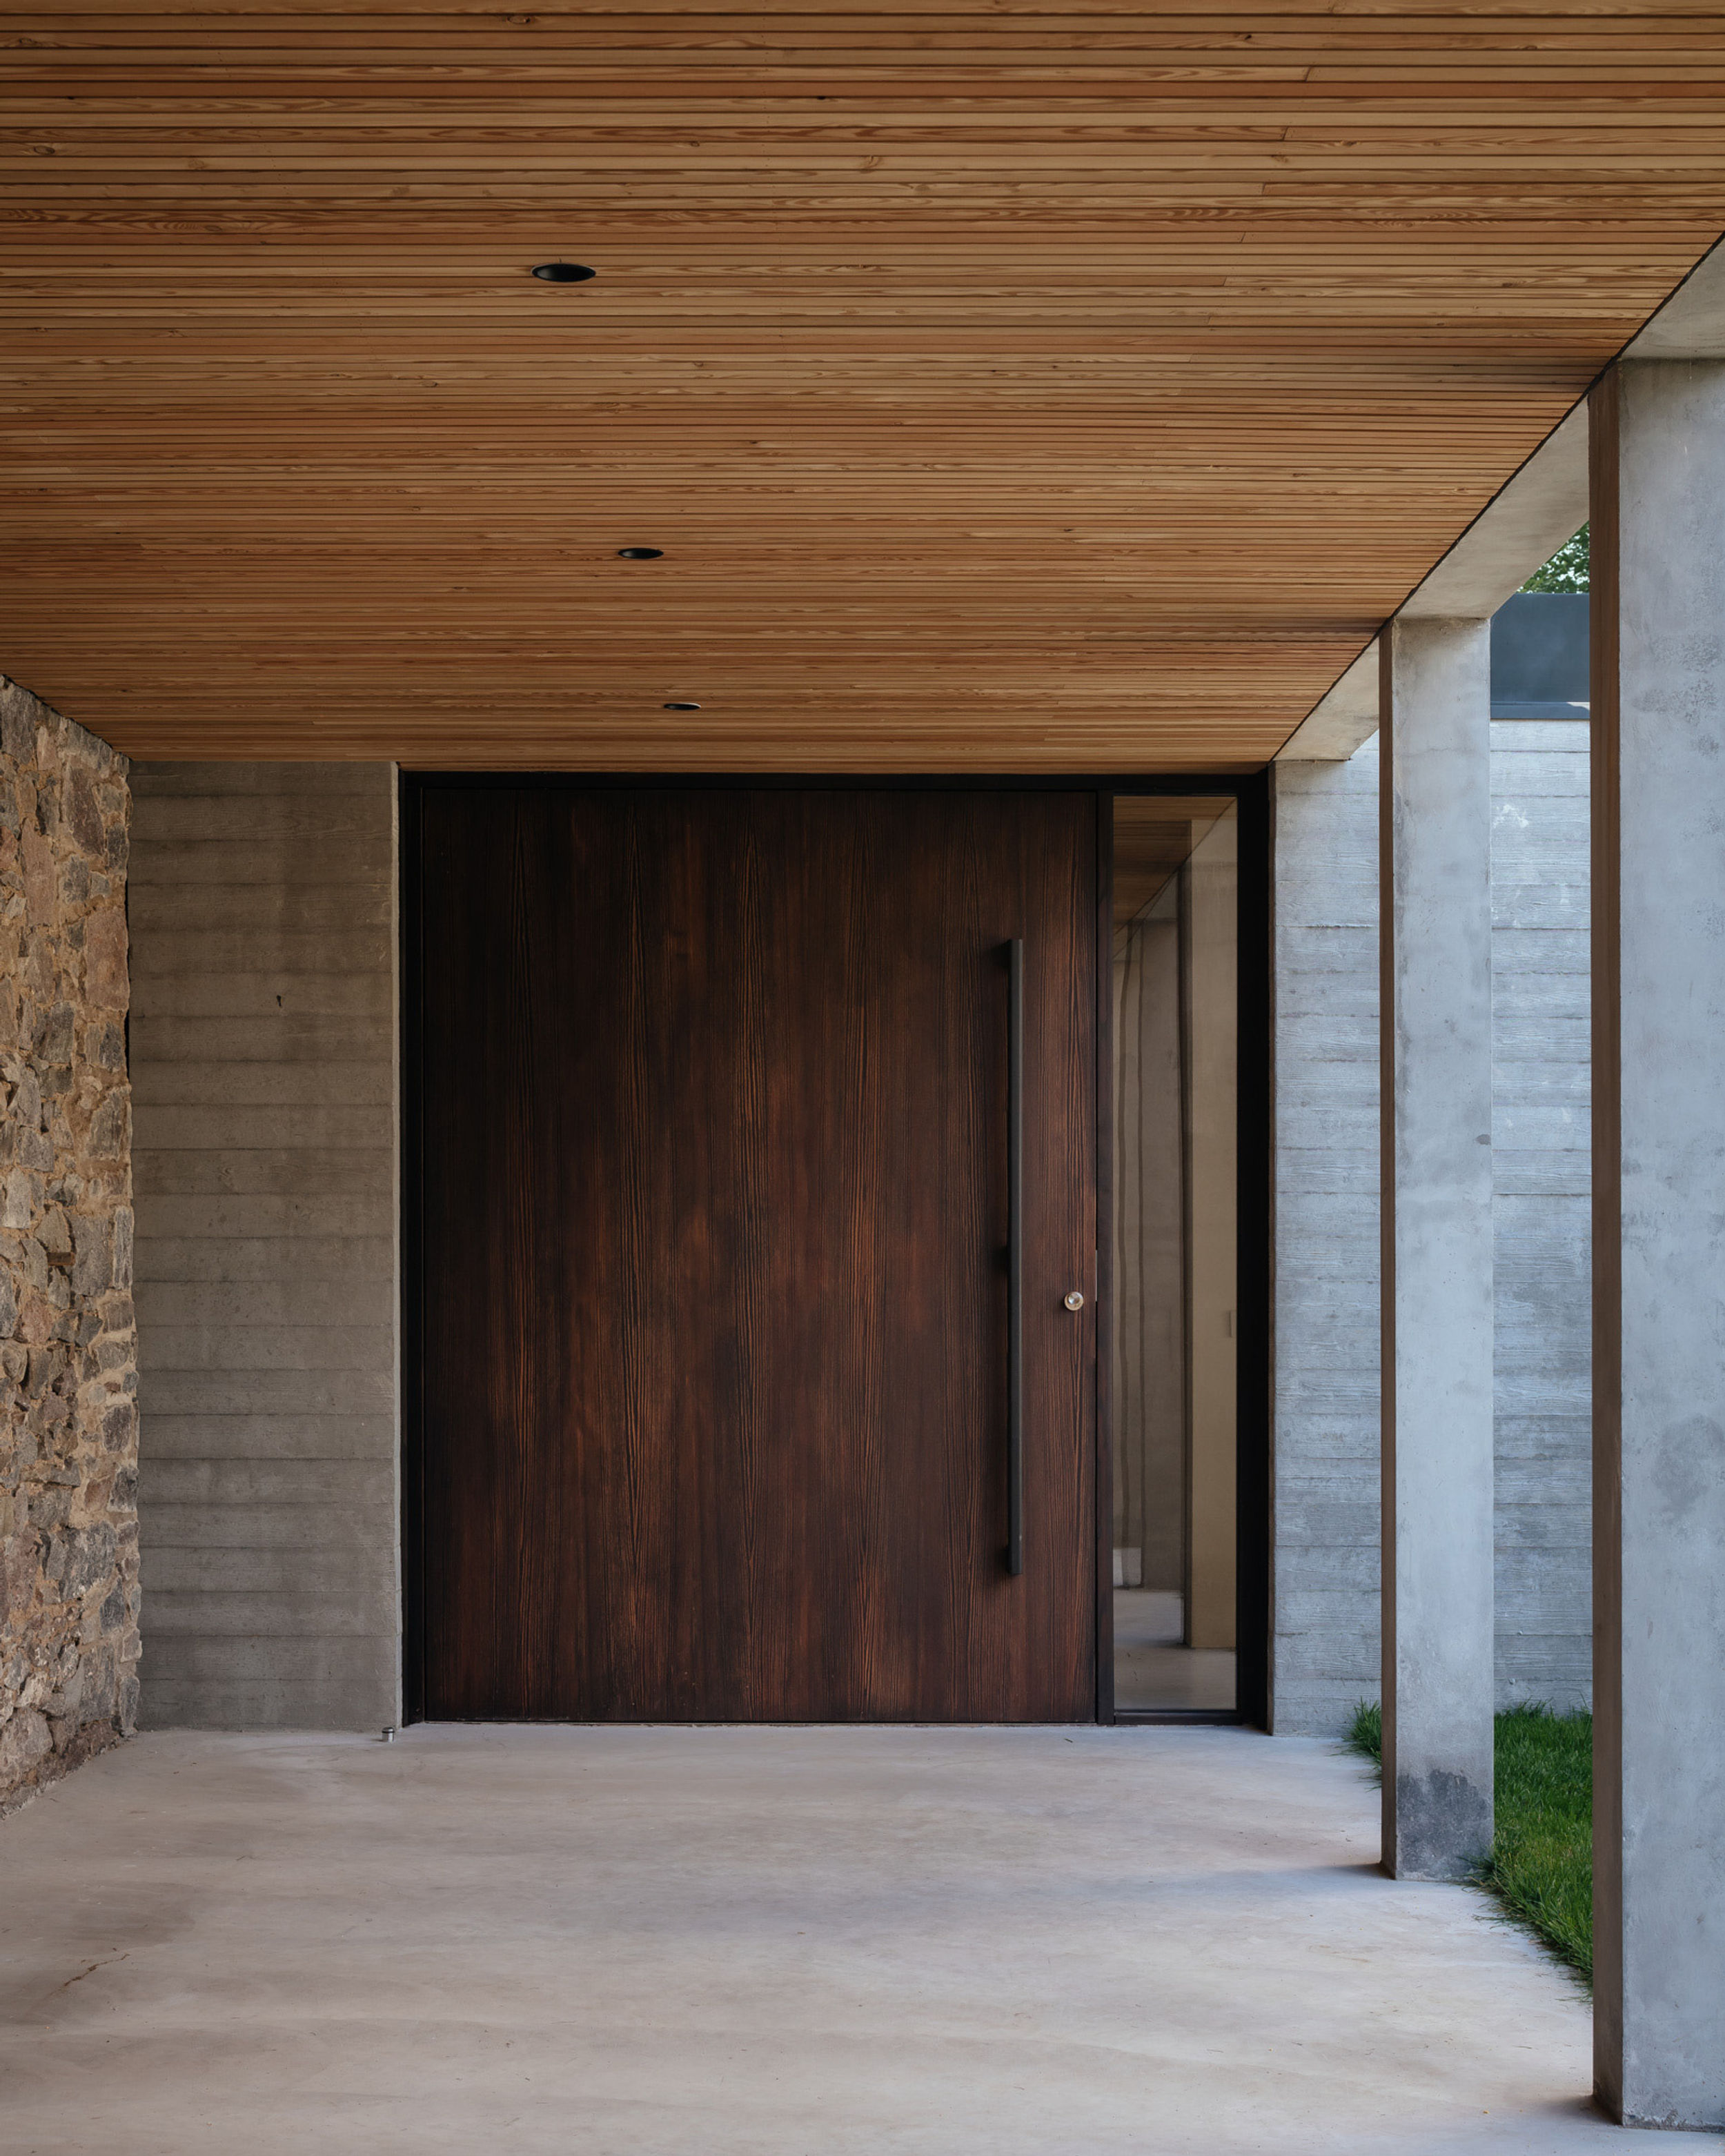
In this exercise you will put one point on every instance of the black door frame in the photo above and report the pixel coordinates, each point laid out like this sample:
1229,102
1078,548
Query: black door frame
1251,793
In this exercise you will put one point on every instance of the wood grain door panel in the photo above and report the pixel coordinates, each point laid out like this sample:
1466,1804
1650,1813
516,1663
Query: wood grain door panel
712,1192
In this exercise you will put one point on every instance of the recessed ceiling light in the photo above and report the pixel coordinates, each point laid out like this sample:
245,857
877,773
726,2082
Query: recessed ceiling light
641,553
563,273
682,707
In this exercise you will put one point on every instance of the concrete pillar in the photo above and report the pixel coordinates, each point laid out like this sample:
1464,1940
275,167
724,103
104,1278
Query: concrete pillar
1436,1033
1659,1223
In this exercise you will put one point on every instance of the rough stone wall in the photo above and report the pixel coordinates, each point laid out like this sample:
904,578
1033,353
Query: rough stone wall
68,1542
1325,1652
264,964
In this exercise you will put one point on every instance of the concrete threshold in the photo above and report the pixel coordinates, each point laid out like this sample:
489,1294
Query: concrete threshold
740,1942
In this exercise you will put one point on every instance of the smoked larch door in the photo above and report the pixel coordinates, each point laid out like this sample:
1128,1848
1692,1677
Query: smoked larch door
710,1215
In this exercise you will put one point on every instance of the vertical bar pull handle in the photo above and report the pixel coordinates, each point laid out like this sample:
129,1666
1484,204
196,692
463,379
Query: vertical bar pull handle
1015,1256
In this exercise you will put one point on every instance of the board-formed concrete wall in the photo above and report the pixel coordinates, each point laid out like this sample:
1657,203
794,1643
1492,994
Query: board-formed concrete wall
1542,1184
69,1537
1324,1645
264,1059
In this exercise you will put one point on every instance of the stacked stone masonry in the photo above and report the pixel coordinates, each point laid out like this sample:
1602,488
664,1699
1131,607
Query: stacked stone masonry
69,1542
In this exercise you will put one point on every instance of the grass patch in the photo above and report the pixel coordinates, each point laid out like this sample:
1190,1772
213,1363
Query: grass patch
1365,1734
1541,1867
1542,1863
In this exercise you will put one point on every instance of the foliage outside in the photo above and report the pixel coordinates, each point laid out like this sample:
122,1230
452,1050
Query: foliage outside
1541,1867
1567,570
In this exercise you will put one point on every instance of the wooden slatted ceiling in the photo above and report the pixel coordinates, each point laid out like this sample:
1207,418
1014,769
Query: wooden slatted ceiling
1009,389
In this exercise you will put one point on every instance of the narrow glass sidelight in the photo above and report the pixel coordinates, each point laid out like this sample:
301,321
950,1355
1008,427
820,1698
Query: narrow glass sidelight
1015,1256
1176,1040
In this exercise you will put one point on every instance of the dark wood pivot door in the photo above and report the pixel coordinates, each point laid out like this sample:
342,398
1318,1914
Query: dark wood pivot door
712,1169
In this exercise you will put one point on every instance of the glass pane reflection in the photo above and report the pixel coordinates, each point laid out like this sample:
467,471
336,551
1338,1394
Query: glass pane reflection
1176,881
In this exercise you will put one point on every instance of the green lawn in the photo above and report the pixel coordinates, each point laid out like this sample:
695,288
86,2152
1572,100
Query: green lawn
1541,1865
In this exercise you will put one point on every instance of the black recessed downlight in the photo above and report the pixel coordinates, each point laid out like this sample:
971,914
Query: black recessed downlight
682,707
641,553
563,273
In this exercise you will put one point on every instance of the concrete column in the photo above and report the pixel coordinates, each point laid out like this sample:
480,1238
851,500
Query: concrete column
1436,1033
1659,1221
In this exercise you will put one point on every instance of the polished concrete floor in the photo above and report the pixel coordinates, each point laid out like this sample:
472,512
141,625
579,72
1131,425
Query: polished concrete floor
744,1941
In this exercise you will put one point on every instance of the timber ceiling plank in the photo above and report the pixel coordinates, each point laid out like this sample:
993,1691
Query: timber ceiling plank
1007,388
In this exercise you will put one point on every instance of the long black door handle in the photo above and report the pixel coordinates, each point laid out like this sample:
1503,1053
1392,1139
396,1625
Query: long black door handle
1015,1256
